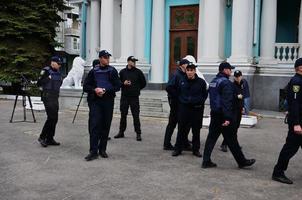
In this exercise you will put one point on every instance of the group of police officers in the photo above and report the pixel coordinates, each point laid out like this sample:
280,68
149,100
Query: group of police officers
187,94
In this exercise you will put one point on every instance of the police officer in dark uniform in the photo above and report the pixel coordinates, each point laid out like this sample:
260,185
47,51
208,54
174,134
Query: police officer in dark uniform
192,94
173,102
294,136
101,84
222,100
133,81
50,81
239,90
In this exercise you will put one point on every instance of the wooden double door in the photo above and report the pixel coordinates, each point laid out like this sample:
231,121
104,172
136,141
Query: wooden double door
183,33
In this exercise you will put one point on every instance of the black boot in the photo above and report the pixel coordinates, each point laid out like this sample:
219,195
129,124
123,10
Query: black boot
138,137
208,164
91,156
247,163
42,142
176,153
281,178
119,135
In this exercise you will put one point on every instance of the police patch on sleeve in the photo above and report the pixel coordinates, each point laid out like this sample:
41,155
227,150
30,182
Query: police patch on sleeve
296,88
42,72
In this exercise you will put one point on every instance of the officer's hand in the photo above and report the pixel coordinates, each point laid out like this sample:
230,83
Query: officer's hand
298,129
103,91
98,91
127,82
226,123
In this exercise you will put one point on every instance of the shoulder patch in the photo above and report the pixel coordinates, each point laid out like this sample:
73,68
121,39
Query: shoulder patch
42,72
296,88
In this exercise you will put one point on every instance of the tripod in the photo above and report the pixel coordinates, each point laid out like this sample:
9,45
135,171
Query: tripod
78,107
24,95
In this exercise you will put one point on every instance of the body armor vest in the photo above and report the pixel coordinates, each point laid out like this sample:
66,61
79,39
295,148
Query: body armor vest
215,96
55,81
102,78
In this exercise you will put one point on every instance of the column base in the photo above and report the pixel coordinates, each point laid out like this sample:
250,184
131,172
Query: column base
240,60
210,60
267,60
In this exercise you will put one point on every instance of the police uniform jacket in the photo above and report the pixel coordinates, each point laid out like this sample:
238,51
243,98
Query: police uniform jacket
137,79
246,90
109,80
227,97
294,98
50,81
173,83
192,92
239,88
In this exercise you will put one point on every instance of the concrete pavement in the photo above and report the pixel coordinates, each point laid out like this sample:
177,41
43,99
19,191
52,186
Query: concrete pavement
135,170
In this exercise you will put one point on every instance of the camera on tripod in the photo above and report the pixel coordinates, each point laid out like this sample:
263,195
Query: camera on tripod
21,89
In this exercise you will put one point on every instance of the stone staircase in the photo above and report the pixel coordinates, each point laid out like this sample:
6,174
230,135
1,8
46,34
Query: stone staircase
153,103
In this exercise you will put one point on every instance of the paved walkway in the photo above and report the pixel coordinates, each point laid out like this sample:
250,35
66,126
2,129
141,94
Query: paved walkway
135,170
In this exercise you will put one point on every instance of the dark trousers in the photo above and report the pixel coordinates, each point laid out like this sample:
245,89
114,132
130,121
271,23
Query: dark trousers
133,102
290,148
189,117
173,119
237,121
100,117
228,132
51,104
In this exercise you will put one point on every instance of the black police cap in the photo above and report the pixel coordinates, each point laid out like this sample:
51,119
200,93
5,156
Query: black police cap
57,59
191,66
237,73
184,61
104,53
132,58
225,65
298,62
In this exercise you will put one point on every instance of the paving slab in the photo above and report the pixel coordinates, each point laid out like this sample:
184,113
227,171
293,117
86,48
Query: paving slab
135,170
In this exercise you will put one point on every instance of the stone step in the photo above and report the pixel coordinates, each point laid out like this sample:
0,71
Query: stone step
145,113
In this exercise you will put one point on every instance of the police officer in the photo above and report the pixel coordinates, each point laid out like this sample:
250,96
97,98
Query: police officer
133,81
101,84
294,136
173,102
192,93
222,99
239,90
50,81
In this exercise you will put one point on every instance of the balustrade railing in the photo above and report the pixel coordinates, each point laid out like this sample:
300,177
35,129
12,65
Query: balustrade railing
287,52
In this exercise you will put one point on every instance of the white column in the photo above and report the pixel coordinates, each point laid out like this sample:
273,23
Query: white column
268,31
88,34
157,44
140,31
94,28
211,30
127,29
300,31
242,30
106,29
200,31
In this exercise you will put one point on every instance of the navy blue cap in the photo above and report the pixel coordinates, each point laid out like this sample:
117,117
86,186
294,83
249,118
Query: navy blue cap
191,66
95,62
225,65
104,53
298,62
57,59
132,58
184,61
237,73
